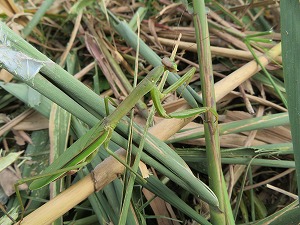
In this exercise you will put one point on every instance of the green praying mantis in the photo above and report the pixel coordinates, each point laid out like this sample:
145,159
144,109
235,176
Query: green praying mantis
84,149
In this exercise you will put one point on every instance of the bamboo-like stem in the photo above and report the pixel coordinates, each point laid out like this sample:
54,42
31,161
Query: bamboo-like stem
245,72
217,51
223,215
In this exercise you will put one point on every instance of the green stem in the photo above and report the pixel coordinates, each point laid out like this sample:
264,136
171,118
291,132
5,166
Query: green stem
223,215
290,31
277,90
37,17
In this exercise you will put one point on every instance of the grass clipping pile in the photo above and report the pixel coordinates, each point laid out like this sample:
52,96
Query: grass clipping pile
254,135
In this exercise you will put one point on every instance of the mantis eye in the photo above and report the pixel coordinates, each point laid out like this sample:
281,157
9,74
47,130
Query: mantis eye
169,64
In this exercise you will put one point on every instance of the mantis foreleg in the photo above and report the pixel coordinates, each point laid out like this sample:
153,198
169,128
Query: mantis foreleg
157,96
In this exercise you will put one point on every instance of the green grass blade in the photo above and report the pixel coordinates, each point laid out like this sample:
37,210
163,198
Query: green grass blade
290,31
37,17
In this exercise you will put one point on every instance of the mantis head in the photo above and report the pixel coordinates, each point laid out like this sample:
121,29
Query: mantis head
169,64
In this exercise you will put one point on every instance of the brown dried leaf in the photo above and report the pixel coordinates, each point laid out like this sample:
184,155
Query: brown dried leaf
151,26
103,63
144,170
6,76
21,137
35,121
8,178
9,8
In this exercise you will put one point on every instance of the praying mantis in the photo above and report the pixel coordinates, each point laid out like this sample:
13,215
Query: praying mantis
84,149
